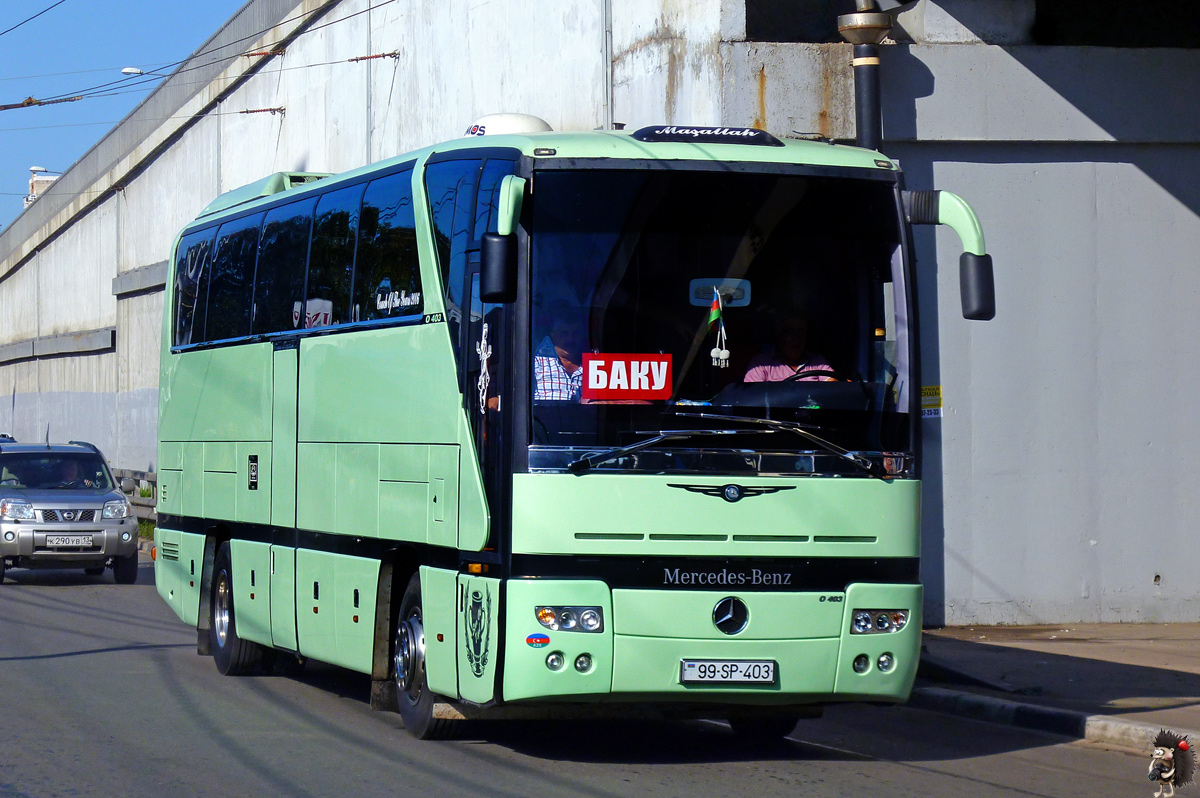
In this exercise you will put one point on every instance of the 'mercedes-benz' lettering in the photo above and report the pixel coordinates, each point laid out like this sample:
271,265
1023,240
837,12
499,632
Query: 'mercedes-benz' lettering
753,577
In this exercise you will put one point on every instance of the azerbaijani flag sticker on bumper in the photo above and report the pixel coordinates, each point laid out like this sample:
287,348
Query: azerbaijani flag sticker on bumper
538,640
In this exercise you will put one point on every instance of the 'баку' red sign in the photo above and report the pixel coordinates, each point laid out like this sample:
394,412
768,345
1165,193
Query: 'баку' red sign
609,377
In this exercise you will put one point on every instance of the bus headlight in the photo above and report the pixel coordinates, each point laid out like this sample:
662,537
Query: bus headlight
571,619
866,622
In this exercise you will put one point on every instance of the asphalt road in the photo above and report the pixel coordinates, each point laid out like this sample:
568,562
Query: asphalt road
102,693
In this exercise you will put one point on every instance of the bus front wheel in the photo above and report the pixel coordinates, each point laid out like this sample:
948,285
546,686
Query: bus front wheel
413,695
232,654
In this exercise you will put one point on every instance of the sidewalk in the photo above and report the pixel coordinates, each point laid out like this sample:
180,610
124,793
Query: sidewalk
1112,683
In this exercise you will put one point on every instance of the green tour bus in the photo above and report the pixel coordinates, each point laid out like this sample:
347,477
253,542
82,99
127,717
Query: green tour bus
591,423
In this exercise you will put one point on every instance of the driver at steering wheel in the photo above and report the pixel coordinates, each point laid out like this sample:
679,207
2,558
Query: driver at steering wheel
70,477
790,357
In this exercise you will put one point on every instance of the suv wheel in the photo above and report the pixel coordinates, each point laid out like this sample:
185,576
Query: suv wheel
125,569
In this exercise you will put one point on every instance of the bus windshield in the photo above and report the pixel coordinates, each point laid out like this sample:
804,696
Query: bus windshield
671,300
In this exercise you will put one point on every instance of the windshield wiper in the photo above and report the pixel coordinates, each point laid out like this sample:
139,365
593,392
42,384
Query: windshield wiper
872,468
585,463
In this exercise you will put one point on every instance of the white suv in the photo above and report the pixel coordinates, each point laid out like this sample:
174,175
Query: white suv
59,508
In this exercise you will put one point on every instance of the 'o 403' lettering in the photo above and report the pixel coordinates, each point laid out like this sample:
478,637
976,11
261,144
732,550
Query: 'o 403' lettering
833,599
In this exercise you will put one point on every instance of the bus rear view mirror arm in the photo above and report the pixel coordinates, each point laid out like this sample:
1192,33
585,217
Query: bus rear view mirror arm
498,258
977,285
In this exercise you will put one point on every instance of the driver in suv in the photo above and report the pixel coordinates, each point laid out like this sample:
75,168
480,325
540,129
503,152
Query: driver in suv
59,508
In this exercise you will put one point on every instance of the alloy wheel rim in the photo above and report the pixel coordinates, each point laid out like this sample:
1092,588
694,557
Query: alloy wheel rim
221,609
409,657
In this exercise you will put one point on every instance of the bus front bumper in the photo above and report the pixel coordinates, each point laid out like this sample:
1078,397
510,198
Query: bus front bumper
648,635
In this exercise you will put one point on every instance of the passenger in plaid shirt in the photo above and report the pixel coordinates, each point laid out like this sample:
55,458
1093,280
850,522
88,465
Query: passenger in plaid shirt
558,363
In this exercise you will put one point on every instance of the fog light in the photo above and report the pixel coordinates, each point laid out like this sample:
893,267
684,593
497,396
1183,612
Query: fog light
883,622
125,536
885,662
555,661
862,663
583,663
589,620
9,536
862,622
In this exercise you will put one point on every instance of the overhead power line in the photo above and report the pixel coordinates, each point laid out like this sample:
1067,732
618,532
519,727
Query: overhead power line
31,19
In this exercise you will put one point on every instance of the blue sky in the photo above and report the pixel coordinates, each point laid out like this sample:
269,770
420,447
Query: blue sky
90,41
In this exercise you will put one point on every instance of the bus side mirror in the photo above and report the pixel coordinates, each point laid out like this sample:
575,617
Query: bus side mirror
498,255
498,268
976,282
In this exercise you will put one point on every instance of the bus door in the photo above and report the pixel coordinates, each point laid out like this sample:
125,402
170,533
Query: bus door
283,492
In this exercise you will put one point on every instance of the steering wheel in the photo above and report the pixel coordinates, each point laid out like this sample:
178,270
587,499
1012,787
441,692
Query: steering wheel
799,375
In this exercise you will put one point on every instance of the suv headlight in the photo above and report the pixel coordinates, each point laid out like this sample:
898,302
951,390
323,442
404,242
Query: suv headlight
116,509
16,509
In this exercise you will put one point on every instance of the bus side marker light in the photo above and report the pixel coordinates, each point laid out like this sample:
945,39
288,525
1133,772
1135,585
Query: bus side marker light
153,552
356,619
440,638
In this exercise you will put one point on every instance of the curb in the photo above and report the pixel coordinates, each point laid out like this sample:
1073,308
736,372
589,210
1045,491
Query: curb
1095,728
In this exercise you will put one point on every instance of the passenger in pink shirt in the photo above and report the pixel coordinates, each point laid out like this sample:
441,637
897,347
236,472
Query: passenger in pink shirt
790,355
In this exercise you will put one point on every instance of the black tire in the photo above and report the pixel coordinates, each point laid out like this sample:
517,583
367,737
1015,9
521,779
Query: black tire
763,730
413,696
233,655
1,570
97,571
125,569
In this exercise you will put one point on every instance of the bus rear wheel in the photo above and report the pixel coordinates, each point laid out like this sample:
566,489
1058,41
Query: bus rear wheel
413,696
232,654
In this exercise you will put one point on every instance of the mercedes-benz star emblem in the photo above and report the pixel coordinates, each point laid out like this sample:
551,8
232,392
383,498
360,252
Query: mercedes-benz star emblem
730,615
732,493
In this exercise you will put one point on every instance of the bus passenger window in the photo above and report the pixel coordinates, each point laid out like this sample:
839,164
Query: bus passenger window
331,261
232,279
282,256
387,272
191,285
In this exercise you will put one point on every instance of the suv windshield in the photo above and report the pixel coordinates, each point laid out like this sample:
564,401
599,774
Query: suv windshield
53,471
664,298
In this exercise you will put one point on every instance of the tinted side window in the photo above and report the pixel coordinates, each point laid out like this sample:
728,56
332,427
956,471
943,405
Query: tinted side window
450,186
387,273
191,285
331,260
488,202
231,285
282,256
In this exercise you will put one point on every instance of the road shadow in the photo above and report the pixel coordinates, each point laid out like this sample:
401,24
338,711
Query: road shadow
74,577
1144,693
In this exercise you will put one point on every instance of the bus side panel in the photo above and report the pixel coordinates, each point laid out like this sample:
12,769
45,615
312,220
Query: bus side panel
439,600
314,605
315,477
479,611
283,441
191,565
221,394
253,496
283,597
252,590
220,481
166,566
404,492
391,385
443,526
355,582
473,510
